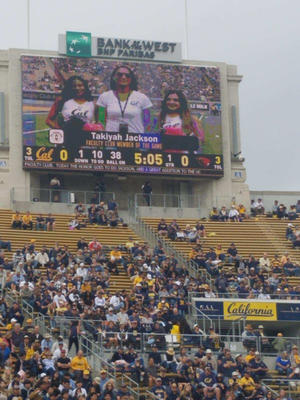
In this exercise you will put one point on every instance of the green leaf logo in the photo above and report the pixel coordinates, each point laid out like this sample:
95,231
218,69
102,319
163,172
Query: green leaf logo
79,44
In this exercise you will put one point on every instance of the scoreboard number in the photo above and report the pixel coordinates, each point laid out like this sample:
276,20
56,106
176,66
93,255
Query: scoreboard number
115,155
184,161
63,155
97,154
218,160
28,151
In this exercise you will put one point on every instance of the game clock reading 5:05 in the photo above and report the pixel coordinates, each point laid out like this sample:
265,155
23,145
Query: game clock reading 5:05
158,159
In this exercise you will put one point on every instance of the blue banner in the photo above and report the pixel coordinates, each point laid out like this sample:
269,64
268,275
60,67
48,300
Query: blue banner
288,311
210,308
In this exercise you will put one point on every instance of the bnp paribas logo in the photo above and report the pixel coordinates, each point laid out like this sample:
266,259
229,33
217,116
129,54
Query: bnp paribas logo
79,44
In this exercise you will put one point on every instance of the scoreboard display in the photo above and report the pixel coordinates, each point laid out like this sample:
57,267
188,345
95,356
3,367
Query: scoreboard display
74,118
113,152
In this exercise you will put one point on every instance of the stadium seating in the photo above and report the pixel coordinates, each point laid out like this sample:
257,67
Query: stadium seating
107,236
254,236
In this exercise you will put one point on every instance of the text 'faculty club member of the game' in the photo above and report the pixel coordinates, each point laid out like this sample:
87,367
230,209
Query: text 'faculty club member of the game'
126,109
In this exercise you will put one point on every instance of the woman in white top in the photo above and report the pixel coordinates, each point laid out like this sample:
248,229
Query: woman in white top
126,109
75,101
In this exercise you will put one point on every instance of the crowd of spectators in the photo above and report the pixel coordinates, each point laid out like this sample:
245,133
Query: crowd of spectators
198,83
234,214
279,210
238,212
174,232
250,277
36,366
76,287
27,222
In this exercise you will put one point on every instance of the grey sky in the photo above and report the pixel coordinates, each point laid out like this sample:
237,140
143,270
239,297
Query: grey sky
260,36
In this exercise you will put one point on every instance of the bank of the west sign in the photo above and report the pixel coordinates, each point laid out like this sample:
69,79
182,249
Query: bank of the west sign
83,44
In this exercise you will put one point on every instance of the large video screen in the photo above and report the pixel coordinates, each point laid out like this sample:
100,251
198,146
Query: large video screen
107,116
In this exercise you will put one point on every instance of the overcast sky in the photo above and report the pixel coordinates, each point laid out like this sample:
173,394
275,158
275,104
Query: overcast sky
262,37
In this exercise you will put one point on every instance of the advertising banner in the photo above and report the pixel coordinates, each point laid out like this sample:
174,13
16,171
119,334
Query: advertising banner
252,311
249,309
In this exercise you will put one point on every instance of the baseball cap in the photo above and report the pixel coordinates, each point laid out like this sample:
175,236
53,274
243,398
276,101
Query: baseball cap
208,351
260,327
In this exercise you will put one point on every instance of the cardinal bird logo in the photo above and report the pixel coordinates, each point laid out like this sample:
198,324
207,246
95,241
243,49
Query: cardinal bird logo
204,161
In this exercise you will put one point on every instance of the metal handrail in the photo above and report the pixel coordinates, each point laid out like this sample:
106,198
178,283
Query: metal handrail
90,347
93,348
152,238
165,200
71,196
282,381
196,317
235,295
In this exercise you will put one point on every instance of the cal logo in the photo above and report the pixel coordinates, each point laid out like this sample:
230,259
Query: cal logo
43,154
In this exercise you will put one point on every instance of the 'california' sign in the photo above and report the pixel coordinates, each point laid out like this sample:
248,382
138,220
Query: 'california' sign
252,311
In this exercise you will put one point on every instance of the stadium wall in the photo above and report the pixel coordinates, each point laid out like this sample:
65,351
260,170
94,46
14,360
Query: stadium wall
212,192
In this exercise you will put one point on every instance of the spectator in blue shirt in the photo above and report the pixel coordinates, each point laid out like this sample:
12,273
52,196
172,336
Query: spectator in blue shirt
283,364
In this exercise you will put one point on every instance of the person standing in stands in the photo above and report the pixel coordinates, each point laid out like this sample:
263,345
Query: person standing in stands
55,186
73,338
147,191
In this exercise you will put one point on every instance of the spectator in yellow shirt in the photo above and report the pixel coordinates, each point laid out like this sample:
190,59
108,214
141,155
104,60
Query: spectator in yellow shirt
214,214
138,279
130,244
16,221
115,254
115,259
27,221
242,210
163,303
193,253
29,350
250,356
79,363
86,287
247,384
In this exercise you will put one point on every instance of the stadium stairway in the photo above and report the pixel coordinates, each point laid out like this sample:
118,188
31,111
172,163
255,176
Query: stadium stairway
107,236
253,236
